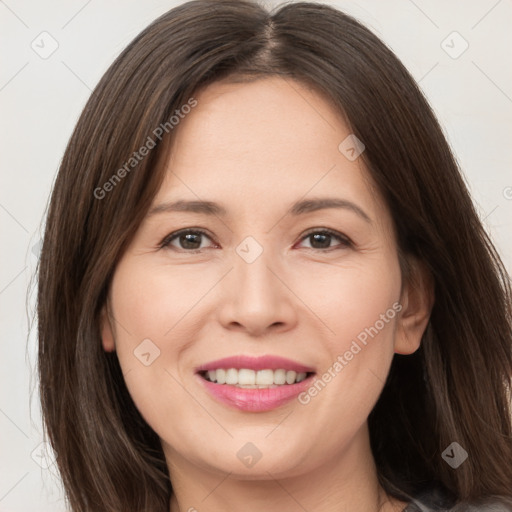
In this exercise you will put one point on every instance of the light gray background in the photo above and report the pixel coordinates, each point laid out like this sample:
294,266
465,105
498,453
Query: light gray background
41,99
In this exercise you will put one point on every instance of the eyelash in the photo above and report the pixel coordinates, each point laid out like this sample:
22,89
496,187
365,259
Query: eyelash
345,242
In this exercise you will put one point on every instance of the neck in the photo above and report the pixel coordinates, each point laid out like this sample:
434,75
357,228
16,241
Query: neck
348,481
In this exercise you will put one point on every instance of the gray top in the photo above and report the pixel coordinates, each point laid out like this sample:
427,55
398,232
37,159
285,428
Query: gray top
436,499
490,505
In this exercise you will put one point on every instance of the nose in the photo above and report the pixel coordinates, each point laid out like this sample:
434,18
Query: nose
256,298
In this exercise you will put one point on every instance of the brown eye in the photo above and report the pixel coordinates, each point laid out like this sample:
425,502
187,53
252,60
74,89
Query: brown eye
322,239
186,240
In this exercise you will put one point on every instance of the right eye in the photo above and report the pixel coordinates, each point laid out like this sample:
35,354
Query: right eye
188,240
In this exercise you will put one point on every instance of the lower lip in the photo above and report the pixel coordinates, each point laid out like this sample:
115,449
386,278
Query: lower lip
255,400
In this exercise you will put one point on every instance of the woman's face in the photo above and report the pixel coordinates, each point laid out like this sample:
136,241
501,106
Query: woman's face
296,259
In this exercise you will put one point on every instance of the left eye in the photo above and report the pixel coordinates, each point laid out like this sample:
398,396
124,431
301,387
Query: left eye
322,239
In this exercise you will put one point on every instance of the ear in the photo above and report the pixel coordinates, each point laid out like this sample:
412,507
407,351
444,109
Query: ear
107,333
417,300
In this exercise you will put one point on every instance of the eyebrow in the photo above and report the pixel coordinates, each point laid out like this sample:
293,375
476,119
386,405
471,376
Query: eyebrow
298,208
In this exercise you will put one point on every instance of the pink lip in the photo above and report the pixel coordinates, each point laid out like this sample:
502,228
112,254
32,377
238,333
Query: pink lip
256,363
255,400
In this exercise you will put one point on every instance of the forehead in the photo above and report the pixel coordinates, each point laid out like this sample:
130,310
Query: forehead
274,139
271,118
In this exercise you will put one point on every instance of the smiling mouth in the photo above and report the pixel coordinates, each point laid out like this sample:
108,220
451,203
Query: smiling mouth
254,379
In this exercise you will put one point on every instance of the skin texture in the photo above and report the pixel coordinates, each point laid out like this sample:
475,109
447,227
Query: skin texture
256,148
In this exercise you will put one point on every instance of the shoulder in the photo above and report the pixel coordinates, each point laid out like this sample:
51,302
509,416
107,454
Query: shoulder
498,504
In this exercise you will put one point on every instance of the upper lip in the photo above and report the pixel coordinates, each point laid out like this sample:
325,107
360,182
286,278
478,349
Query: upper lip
266,362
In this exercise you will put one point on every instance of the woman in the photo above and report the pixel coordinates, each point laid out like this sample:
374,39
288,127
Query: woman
263,283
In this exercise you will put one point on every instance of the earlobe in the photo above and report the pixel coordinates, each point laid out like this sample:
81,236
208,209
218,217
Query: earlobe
107,333
417,300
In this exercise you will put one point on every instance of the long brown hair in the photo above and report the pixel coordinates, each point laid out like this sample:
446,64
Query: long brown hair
455,388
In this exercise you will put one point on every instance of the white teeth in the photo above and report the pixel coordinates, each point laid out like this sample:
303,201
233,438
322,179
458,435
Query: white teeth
220,376
231,376
279,377
265,377
251,379
246,377
300,377
290,377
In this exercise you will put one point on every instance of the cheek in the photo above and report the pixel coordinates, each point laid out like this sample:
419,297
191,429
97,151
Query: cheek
360,307
150,321
158,317
350,298
153,302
